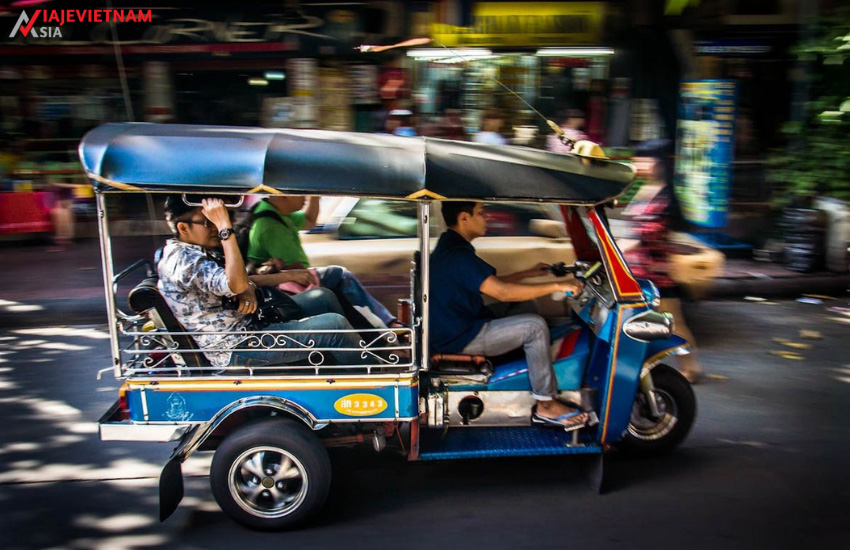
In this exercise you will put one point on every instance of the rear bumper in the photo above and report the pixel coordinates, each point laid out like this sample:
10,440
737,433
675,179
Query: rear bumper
113,428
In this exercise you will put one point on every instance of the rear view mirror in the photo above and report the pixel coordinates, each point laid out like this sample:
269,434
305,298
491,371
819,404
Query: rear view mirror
548,228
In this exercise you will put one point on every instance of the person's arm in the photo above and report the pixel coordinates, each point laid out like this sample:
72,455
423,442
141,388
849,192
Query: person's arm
234,265
507,291
300,276
311,213
537,271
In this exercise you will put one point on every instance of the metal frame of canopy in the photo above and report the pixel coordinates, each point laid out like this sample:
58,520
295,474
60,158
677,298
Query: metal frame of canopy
163,158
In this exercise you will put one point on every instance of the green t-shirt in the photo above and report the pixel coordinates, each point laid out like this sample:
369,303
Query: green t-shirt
277,238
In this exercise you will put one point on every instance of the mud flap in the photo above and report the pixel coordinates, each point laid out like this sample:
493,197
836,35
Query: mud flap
170,487
594,471
171,478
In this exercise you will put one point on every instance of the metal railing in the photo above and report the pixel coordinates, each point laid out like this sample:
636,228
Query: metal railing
157,352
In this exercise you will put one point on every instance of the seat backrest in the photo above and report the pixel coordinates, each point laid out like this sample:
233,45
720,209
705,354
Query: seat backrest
145,299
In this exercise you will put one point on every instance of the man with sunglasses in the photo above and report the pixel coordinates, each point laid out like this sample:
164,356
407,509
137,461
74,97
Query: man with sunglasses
193,285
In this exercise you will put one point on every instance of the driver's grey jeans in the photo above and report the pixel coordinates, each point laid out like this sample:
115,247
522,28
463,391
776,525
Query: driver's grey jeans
511,331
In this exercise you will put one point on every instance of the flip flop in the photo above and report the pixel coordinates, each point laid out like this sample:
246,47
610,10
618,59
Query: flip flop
568,422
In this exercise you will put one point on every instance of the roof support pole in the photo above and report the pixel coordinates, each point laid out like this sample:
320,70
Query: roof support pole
424,281
106,260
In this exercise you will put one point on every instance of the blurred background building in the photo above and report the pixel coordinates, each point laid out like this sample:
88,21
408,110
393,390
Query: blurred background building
619,64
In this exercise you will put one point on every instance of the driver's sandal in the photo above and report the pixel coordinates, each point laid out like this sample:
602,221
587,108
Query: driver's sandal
568,422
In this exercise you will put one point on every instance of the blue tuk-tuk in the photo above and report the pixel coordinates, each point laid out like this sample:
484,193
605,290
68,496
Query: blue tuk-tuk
270,425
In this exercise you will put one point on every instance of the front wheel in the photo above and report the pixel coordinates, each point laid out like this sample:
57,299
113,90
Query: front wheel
271,475
677,408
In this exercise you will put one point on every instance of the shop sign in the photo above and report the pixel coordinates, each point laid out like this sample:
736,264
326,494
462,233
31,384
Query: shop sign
527,24
704,150
732,47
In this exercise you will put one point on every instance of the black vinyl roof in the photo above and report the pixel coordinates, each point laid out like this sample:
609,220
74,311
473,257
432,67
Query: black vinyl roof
194,159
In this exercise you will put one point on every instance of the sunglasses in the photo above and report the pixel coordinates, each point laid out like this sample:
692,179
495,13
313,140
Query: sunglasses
205,222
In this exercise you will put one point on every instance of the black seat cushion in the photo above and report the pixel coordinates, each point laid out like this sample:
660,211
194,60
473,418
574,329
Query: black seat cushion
146,297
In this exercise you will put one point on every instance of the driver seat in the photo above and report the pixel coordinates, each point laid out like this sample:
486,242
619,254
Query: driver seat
457,363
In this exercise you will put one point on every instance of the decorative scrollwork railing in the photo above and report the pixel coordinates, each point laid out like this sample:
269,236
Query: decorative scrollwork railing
158,353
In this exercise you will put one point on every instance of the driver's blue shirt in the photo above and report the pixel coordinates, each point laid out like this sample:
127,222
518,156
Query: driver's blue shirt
457,308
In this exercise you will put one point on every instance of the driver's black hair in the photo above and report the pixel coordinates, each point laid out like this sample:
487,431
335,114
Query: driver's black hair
452,209
178,211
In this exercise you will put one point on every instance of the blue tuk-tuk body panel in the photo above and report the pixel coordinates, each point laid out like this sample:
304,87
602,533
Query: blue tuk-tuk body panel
324,399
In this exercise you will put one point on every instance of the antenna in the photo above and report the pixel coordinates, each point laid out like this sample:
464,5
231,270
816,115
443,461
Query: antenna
421,41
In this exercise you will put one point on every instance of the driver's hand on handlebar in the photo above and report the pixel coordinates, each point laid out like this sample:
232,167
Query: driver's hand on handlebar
571,288
247,301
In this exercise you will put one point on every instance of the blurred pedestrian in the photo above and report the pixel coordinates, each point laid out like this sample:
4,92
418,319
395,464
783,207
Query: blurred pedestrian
573,127
491,129
62,215
596,111
452,125
400,123
654,210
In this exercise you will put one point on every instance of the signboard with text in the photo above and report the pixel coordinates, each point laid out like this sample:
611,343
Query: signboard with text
527,24
705,144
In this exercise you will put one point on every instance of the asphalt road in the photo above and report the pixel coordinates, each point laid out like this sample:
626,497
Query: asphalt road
764,467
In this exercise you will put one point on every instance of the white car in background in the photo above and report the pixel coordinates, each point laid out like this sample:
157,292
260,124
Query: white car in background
380,239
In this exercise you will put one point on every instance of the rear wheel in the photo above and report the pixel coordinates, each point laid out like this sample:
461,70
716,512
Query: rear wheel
271,475
648,434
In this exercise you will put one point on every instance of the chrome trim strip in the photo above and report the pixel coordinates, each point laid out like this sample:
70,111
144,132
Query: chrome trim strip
202,431
158,433
144,404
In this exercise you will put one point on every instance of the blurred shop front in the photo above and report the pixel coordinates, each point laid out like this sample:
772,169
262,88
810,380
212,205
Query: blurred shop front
512,57
266,63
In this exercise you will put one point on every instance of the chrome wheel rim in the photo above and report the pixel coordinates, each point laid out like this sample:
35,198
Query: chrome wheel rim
643,426
268,482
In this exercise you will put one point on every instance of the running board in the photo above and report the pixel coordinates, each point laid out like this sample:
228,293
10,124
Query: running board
500,442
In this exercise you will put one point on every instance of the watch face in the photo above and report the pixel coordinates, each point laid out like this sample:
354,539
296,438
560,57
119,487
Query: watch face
225,233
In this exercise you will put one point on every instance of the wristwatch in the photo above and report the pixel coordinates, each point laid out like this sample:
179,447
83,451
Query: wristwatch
225,233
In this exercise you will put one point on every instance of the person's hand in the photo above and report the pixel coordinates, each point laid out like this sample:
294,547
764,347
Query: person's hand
300,276
216,212
272,265
247,301
571,288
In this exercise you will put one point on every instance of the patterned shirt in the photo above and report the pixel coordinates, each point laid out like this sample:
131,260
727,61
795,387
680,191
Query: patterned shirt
193,285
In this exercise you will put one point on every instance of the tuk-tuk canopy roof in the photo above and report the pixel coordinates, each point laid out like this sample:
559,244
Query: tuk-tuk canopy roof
217,159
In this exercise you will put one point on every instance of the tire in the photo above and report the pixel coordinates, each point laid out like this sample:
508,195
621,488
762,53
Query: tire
678,407
294,475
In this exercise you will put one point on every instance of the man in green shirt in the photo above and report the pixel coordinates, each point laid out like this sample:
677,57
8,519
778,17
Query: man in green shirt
275,239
